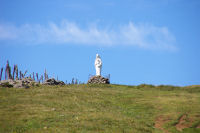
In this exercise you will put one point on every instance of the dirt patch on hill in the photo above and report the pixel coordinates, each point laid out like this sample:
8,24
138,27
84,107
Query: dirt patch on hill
184,122
160,121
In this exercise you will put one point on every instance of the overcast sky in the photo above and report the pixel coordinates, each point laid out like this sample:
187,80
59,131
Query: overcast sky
139,41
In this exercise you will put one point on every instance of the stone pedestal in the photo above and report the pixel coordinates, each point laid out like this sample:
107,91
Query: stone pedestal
98,80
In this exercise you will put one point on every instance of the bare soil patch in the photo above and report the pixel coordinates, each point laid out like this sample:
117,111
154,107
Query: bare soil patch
184,122
160,121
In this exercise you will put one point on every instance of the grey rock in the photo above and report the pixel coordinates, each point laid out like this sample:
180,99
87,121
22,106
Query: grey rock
52,81
6,83
23,83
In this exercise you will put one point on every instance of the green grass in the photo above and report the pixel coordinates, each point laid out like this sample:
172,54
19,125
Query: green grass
99,108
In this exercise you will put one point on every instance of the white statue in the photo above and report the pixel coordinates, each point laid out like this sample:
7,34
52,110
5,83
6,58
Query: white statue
98,65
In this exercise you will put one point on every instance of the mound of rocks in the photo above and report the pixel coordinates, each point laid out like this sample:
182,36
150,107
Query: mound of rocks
98,80
52,81
23,83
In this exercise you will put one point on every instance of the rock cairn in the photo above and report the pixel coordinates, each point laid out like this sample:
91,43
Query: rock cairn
98,80
23,83
52,81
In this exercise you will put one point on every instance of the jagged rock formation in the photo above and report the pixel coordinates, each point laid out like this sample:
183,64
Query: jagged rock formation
23,83
98,80
52,81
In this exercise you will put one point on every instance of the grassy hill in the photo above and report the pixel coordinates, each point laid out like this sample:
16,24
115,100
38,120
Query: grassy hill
100,108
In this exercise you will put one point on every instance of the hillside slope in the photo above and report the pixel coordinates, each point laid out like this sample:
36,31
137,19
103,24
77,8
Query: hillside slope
100,108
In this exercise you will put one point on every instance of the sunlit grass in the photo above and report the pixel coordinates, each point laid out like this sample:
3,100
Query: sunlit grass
97,108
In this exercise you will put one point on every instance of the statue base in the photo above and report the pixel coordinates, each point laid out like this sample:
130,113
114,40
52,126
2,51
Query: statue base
98,80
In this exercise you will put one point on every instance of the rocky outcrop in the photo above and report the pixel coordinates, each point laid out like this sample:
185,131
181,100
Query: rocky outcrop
23,83
6,83
52,81
28,82
98,80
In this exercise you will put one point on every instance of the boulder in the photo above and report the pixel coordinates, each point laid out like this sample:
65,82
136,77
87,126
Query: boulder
52,81
98,80
6,83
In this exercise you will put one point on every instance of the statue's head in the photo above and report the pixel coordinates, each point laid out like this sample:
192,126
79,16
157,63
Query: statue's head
97,56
